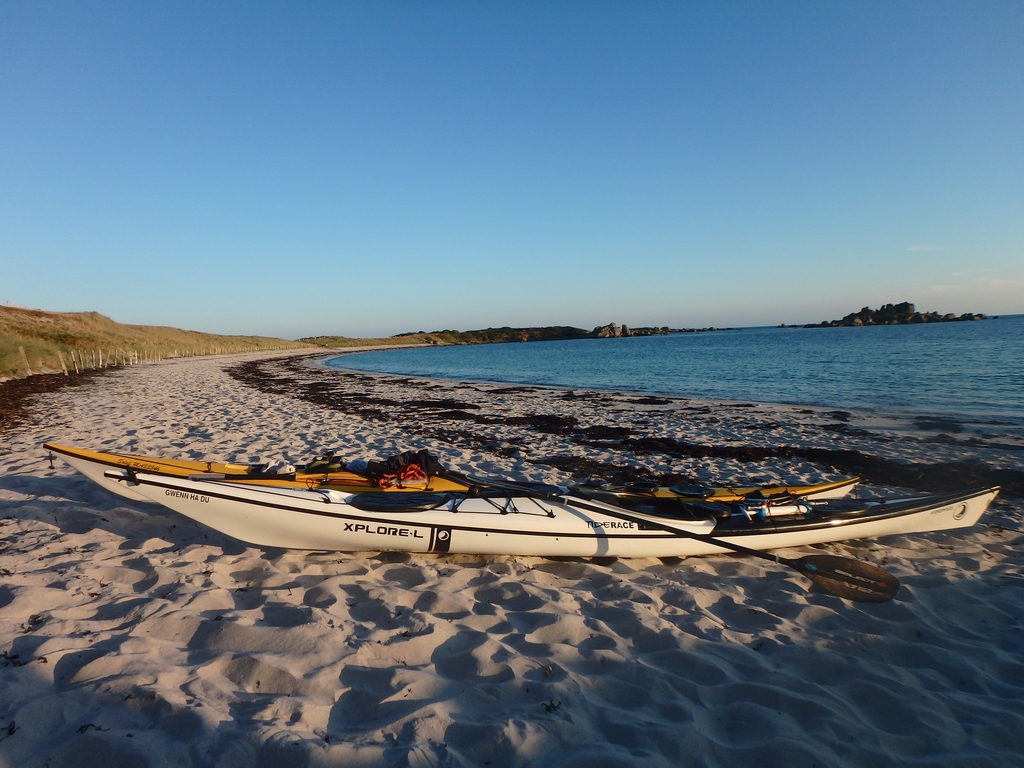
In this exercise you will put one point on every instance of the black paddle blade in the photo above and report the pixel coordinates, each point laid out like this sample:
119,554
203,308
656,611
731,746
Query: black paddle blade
850,579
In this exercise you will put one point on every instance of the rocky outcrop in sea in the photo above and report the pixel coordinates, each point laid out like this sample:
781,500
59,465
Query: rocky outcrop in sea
614,331
892,314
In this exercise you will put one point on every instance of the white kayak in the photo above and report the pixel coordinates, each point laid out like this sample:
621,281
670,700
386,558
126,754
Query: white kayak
557,524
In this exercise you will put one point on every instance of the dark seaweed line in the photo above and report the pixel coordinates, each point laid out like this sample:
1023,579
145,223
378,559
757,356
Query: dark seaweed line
17,395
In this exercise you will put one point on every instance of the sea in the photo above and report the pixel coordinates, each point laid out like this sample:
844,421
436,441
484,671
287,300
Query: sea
971,370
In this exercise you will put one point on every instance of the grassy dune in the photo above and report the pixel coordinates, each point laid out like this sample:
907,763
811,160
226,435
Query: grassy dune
90,340
84,337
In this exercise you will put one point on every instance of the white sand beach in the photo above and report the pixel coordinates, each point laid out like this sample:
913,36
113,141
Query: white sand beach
131,636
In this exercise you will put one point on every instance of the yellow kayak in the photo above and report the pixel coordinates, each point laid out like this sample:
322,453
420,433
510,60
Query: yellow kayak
834,490
93,464
327,473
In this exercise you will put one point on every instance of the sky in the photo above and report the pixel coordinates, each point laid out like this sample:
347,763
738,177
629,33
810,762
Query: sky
366,168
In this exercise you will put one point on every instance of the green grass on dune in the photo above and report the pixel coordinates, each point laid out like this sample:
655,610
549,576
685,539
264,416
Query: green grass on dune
43,334
83,337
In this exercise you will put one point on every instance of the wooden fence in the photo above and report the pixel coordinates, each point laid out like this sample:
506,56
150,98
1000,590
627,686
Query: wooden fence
100,357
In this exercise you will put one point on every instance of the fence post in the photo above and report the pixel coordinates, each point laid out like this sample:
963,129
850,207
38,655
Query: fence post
61,358
24,361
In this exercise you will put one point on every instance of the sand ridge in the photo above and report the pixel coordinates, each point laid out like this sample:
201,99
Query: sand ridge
131,636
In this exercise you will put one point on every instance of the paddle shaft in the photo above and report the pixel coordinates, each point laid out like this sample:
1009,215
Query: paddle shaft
845,577
842,576
625,516
738,548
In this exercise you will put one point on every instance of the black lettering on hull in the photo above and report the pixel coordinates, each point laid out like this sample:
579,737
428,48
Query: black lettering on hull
607,525
440,538
384,530
187,496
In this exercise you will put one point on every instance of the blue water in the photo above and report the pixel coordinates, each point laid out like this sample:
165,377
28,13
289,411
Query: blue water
962,369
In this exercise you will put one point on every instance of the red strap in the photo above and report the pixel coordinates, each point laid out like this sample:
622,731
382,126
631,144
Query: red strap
408,473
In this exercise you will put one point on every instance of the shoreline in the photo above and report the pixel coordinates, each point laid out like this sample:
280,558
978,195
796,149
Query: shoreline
130,635
860,431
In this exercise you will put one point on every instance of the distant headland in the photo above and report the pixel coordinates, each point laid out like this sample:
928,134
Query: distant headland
903,313
547,333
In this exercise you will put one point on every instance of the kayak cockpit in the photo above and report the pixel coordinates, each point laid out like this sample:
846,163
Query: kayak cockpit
398,502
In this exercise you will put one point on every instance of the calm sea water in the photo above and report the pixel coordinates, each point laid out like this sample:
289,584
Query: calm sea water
963,369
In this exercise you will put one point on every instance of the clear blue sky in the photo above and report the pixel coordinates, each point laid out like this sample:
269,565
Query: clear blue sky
370,168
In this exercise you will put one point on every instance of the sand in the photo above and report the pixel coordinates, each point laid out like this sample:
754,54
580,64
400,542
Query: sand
130,636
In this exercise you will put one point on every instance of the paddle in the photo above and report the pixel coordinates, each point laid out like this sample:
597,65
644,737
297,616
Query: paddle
842,576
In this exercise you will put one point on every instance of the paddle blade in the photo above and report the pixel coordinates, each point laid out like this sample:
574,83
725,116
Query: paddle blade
849,579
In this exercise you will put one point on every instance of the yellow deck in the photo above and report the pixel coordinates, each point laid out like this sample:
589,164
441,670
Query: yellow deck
346,482
353,482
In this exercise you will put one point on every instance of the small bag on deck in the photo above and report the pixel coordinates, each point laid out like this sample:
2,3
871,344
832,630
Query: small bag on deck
407,467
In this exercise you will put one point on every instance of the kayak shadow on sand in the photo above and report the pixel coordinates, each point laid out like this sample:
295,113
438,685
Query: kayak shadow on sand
76,505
